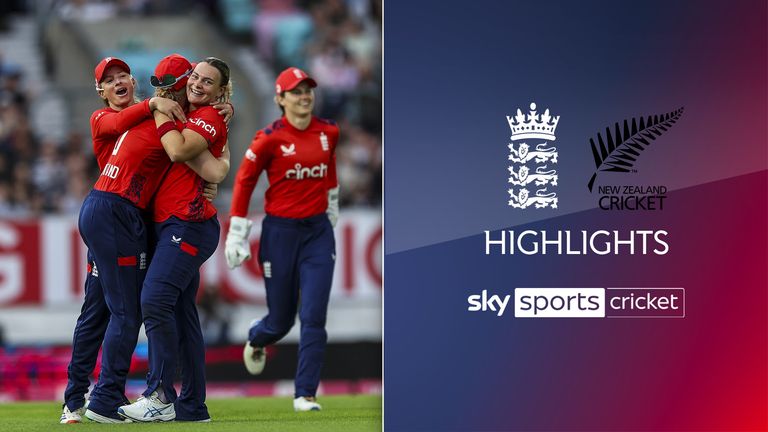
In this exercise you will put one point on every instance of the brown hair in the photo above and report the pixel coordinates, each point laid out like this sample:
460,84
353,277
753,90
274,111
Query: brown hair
226,80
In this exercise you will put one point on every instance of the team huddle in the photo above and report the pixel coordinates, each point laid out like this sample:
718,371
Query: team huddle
149,224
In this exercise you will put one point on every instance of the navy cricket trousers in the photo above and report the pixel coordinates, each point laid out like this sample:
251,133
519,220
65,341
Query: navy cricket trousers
87,338
170,314
115,233
297,258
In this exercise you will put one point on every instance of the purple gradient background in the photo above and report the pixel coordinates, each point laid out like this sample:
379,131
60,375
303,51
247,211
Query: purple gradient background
453,71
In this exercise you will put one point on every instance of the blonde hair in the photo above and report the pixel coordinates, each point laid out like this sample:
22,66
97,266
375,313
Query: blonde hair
166,93
229,90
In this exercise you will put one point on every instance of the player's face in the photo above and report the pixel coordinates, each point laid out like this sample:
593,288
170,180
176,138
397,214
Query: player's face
300,101
204,85
117,87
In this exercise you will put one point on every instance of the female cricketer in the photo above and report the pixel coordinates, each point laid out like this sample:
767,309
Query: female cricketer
297,249
112,226
187,232
115,86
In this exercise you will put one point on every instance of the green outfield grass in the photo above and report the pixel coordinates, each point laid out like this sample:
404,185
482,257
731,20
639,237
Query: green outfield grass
340,413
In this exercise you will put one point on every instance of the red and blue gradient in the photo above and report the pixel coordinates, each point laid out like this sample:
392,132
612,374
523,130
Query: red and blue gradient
448,369
451,78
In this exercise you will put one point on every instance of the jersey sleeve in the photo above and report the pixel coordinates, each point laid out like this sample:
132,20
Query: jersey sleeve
106,124
256,158
332,181
208,123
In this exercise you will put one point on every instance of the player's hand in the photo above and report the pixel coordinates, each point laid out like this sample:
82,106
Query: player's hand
225,109
236,248
210,191
168,107
333,206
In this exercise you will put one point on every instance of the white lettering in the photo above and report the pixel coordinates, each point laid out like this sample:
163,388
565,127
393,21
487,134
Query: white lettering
483,303
300,173
206,127
110,171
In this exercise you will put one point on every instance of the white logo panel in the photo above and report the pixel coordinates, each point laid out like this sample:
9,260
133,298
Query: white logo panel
532,126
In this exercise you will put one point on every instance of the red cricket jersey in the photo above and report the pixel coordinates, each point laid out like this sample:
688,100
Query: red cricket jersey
181,192
136,165
107,125
300,164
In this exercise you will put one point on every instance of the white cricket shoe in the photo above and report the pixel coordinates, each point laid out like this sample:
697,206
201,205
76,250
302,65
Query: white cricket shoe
303,404
75,416
98,418
148,409
254,358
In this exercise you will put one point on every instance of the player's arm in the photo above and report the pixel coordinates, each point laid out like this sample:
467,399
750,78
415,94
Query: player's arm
180,146
226,109
245,181
237,249
333,184
115,123
107,124
169,107
209,167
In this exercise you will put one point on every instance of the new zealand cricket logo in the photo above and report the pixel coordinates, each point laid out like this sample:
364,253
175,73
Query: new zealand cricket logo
620,149
532,126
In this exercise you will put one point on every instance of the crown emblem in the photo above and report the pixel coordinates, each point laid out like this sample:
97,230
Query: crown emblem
533,125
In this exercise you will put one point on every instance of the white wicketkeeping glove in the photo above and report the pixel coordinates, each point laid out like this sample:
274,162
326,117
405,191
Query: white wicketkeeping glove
333,205
236,248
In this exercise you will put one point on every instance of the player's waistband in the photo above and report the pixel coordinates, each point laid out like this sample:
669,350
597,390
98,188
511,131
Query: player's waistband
111,196
317,219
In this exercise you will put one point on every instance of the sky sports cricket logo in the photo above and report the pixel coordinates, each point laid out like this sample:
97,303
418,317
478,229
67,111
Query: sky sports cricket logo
584,303
531,161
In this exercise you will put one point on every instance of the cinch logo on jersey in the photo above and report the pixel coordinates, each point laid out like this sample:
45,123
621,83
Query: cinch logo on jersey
300,173
585,303
201,123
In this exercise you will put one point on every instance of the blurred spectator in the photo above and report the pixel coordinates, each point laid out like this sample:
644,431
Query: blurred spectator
49,174
36,179
359,164
11,93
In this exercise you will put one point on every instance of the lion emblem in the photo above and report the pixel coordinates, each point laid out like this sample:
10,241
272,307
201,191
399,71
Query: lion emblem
523,199
540,178
523,154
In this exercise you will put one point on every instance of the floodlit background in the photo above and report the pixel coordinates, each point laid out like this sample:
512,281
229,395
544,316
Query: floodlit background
48,50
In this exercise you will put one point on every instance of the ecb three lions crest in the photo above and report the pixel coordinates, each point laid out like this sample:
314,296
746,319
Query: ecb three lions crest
527,129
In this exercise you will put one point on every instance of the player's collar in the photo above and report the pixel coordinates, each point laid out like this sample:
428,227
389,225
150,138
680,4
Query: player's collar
288,124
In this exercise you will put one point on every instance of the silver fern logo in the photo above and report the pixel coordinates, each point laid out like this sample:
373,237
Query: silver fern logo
620,149
526,130
617,150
